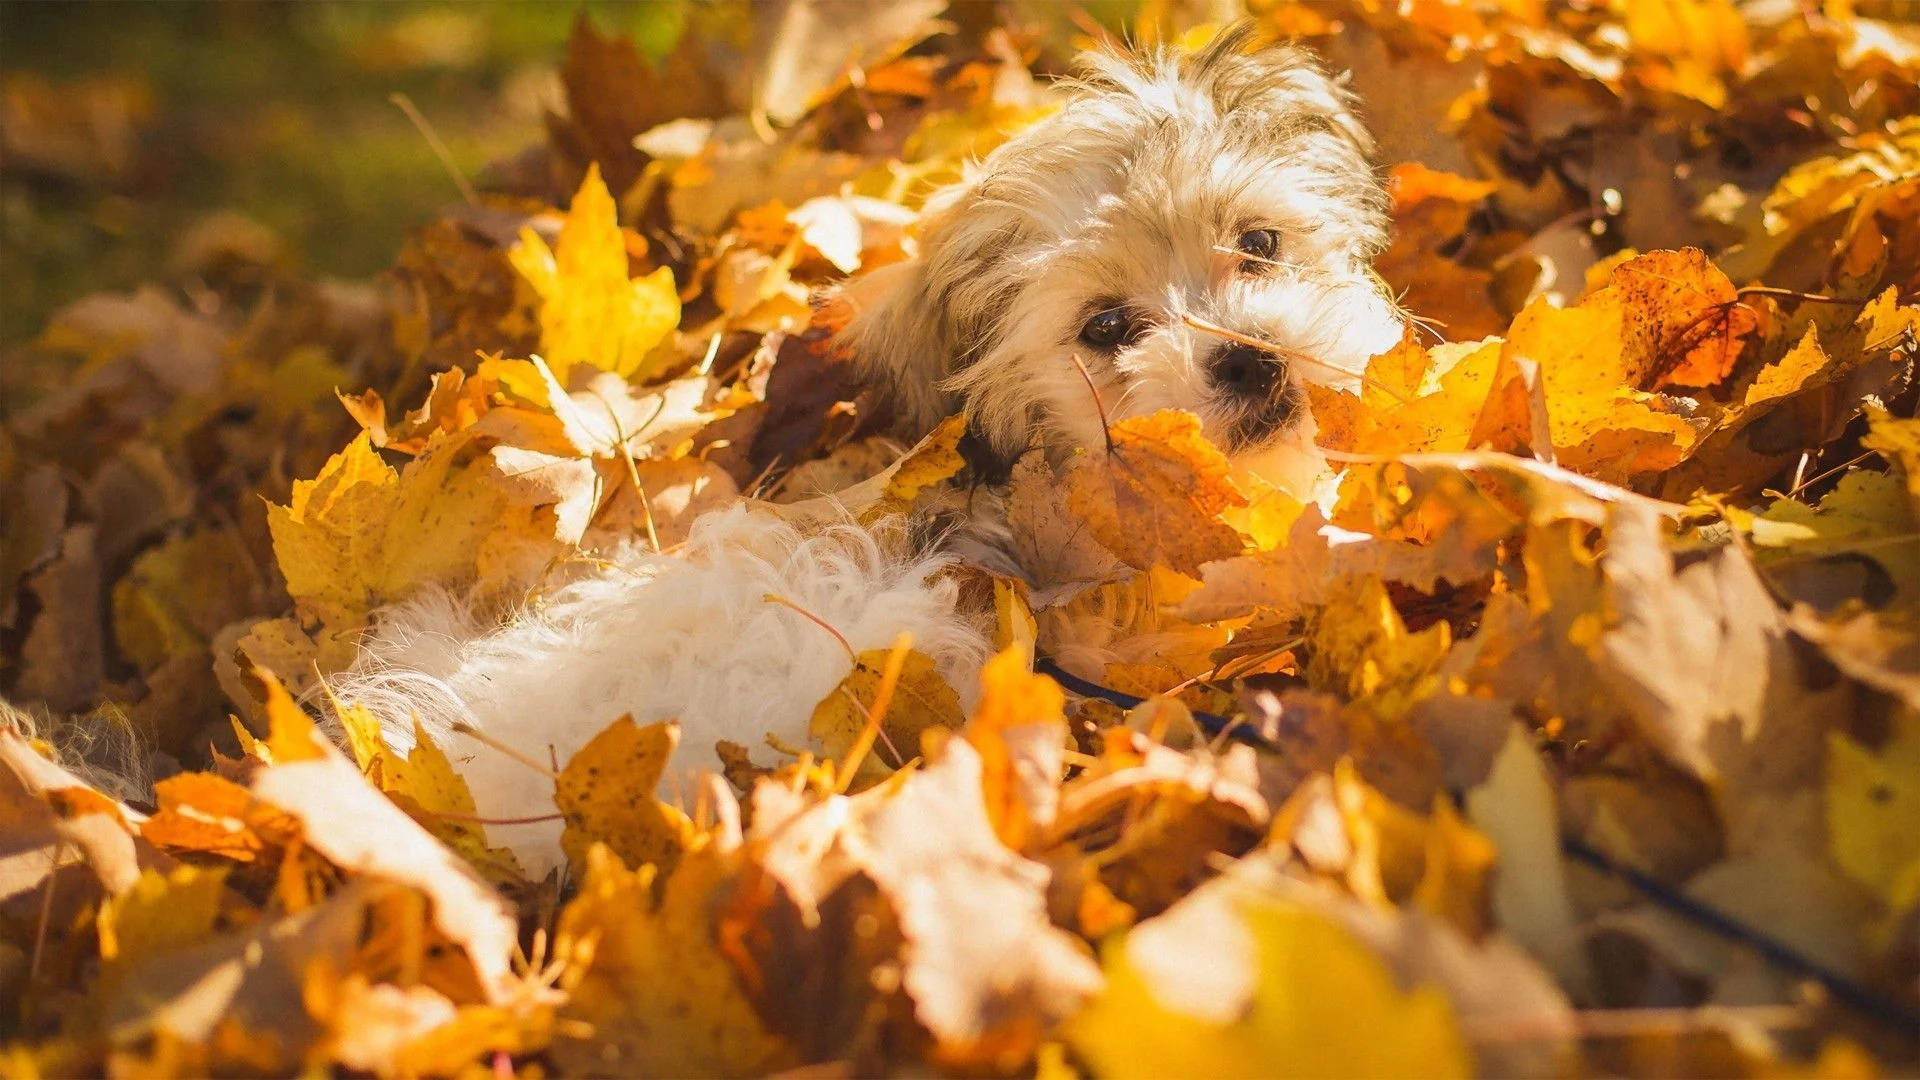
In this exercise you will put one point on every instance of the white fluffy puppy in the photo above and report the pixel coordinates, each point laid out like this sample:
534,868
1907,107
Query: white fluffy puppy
1224,189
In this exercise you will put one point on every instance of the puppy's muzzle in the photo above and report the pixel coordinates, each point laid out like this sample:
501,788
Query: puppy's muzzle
1254,383
1246,374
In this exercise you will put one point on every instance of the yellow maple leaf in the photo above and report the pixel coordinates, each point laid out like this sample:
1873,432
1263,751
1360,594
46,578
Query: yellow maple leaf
1438,397
657,995
920,701
590,311
1600,424
606,795
1682,321
291,734
1358,647
1873,799
1321,1005
326,538
361,534
425,784
1155,495
161,911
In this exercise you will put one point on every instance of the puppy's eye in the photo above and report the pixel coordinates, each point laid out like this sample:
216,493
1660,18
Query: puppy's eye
1108,330
1259,243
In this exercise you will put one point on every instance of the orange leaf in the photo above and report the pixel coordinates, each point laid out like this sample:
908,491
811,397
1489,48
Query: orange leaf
1682,322
1154,497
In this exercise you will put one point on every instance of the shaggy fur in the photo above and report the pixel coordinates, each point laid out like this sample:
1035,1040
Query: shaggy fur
688,637
1136,197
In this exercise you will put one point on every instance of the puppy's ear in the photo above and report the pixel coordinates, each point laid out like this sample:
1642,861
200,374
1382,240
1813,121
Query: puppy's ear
917,323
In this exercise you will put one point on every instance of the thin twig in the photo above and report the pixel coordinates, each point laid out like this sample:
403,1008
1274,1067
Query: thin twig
1817,477
46,911
1293,355
886,740
1795,294
882,697
1244,663
491,743
1106,428
439,148
775,598
633,471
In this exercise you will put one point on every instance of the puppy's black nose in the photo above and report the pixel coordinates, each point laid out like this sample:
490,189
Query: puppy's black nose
1244,371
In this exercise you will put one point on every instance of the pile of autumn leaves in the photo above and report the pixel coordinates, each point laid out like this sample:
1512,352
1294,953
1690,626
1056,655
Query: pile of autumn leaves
1639,571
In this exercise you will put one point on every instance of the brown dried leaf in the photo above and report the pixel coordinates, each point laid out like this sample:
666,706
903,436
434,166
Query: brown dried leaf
1155,495
359,830
606,795
1683,321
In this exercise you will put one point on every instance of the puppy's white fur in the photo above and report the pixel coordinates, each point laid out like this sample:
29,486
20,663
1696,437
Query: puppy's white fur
688,637
1127,196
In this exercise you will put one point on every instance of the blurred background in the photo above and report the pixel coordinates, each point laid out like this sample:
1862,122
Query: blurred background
134,133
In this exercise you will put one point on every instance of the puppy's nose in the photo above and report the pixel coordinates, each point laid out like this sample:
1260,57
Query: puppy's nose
1245,371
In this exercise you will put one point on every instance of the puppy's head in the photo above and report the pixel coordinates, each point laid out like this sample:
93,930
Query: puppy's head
1227,188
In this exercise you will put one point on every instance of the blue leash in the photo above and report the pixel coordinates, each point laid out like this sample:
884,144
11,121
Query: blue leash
1875,1006
1211,723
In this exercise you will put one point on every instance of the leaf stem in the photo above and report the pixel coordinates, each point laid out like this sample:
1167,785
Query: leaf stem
46,910
1795,294
475,819
491,743
775,598
405,104
882,698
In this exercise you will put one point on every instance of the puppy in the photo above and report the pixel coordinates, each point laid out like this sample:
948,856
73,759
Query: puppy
1229,189
1226,189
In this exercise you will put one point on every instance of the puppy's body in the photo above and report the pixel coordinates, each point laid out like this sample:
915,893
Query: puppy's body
1223,190
687,637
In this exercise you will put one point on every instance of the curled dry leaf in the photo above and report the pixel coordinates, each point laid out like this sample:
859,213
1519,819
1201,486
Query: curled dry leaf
359,830
1153,496
986,971
52,811
1020,733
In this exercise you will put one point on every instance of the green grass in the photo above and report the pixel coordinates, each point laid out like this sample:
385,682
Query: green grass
280,111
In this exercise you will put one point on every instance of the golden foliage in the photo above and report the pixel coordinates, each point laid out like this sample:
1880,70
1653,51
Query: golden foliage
1623,564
